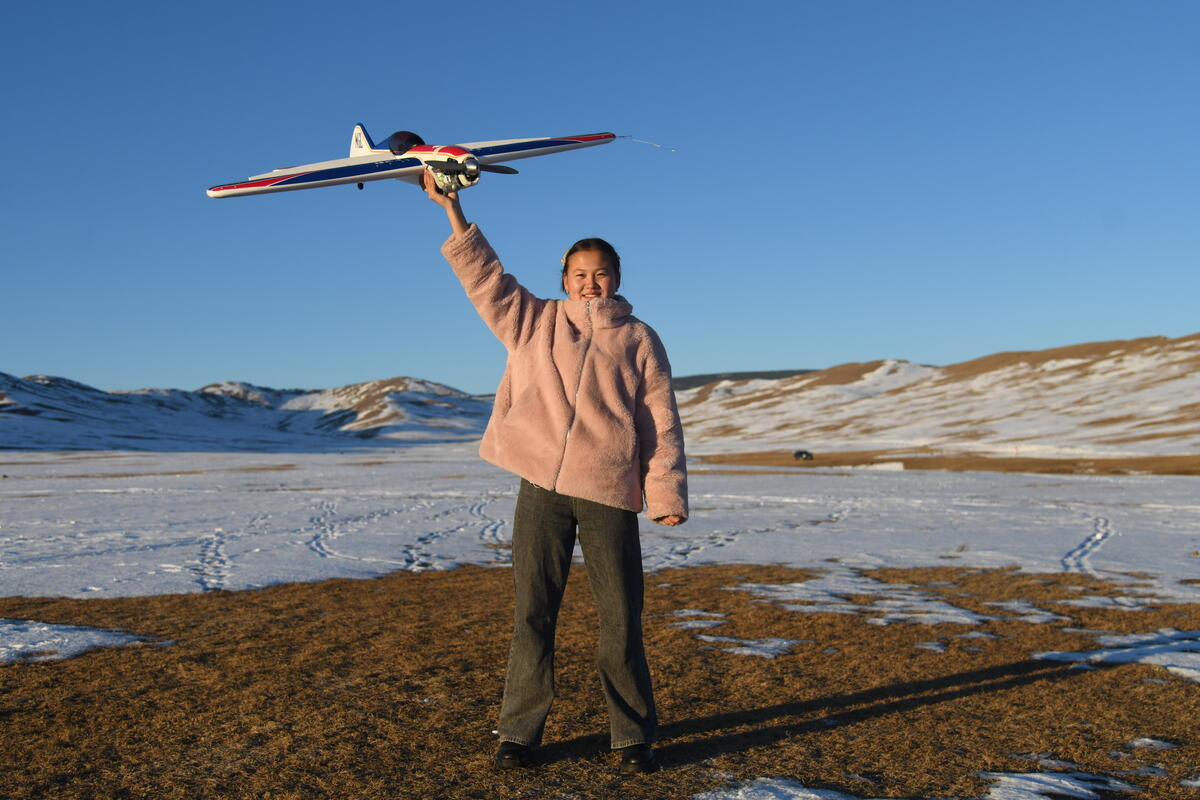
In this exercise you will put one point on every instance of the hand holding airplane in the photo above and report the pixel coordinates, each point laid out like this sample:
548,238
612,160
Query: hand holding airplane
404,157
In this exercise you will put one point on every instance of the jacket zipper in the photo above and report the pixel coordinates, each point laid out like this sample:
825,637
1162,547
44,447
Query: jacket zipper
587,313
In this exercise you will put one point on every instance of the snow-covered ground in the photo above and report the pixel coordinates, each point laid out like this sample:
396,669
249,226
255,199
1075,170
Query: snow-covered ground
109,524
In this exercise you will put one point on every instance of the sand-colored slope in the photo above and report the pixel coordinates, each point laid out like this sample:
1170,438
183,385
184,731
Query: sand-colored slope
1104,399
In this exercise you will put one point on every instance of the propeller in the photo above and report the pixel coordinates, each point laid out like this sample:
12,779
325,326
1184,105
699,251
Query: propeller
469,167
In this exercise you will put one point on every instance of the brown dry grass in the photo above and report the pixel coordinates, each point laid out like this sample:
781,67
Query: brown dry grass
786,387
171,473
913,458
1147,437
388,688
1090,351
842,374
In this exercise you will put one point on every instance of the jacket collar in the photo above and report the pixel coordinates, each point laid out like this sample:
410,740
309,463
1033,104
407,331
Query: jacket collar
608,313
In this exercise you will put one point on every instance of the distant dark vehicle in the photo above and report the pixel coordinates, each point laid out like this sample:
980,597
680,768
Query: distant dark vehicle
802,455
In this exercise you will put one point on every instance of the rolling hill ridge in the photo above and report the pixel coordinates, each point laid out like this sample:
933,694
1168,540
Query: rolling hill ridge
1137,397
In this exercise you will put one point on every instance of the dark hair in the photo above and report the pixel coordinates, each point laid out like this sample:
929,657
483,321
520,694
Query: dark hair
594,243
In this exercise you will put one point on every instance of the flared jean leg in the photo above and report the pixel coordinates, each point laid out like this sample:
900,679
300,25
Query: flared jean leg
544,533
612,552
542,542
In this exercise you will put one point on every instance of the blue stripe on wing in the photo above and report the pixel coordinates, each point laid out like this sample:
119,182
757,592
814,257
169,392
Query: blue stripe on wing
520,147
353,171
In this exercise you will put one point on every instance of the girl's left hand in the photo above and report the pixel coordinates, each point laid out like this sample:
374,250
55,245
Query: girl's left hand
671,519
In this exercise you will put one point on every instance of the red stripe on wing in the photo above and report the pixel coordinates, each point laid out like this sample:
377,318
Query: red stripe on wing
257,184
592,138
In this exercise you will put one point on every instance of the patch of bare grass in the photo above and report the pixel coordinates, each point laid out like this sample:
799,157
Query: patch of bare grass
388,688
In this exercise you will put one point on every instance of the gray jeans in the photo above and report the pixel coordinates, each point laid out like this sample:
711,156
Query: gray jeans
543,538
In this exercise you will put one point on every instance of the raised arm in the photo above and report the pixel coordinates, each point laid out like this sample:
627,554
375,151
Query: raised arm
510,310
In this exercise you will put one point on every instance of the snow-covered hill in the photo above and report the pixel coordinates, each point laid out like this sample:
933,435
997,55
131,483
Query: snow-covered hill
1137,397
44,413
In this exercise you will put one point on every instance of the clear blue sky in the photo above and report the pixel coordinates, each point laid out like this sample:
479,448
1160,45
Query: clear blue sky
853,180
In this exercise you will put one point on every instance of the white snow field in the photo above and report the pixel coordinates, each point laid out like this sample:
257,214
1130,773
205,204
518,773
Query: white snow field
111,524
118,523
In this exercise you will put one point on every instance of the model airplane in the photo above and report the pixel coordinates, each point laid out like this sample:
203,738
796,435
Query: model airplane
404,156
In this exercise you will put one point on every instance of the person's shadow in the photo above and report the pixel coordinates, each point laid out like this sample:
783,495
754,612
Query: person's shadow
782,720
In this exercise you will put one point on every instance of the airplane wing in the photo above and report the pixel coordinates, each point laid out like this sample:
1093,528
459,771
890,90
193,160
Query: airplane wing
379,164
512,149
324,173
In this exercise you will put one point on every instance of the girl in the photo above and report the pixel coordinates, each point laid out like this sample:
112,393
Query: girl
586,417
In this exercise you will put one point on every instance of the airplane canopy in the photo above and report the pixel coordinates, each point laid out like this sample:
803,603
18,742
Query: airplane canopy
401,142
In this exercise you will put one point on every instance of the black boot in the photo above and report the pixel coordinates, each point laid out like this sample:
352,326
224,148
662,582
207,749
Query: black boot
637,758
512,755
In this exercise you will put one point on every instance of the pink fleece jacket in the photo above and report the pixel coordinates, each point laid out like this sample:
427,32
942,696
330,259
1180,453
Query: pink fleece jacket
585,407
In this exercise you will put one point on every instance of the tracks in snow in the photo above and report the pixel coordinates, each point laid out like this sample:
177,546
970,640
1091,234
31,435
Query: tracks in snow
1079,558
330,527
212,571
491,531
683,550
421,554
214,564
440,521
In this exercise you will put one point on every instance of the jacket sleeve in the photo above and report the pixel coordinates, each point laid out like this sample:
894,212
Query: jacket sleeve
660,434
510,310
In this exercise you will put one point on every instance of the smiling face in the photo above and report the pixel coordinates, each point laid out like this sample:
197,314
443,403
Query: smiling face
590,276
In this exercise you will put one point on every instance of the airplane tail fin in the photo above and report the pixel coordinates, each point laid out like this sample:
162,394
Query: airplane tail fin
360,141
